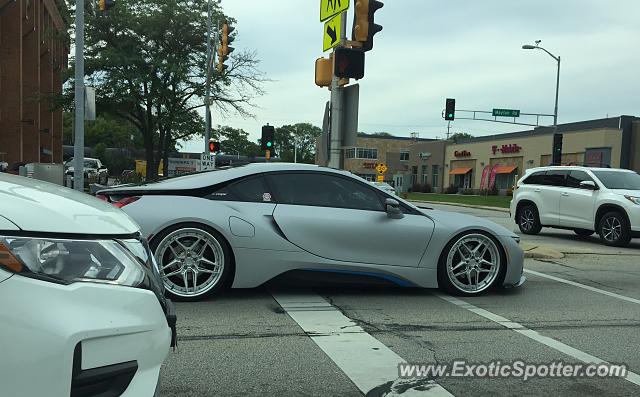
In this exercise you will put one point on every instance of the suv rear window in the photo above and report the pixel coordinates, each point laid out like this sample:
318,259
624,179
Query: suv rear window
535,179
555,178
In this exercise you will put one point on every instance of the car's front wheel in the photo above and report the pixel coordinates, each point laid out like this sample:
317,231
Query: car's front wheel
470,264
193,260
613,229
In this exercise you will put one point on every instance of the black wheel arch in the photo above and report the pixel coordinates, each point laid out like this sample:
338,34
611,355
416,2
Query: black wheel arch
605,208
521,205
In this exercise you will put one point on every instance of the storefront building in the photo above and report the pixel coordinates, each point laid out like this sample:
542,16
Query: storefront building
33,59
496,161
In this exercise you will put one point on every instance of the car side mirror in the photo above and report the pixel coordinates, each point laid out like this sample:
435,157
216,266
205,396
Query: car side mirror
393,209
590,185
102,167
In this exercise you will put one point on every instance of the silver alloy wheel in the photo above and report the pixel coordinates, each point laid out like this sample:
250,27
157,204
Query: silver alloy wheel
612,229
473,263
527,219
190,261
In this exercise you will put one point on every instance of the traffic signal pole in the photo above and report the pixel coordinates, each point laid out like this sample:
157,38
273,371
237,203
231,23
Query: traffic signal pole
335,151
78,149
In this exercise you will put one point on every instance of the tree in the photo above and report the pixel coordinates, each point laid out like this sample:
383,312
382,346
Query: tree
303,135
459,136
236,141
106,129
147,60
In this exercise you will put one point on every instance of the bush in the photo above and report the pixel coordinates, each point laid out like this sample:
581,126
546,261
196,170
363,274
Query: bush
451,190
468,192
426,188
510,192
493,191
416,188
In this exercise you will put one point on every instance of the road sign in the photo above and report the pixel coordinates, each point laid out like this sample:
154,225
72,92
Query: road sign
350,103
329,8
380,178
207,161
331,35
381,168
506,112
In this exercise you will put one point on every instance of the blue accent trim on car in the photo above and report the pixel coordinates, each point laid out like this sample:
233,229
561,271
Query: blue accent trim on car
396,280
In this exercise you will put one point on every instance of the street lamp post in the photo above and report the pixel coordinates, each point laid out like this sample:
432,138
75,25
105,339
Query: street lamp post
555,109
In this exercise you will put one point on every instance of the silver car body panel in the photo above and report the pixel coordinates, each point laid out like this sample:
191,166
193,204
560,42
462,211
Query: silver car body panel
268,239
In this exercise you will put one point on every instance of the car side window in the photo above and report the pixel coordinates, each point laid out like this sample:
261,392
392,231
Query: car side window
537,178
251,189
555,178
575,177
323,190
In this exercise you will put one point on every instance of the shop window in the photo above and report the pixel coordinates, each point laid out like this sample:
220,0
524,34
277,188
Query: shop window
435,174
404,156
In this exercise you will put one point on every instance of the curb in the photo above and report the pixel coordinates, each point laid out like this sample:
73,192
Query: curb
482,207
540,252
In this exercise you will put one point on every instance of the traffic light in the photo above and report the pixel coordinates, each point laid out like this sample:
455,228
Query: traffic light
364,26
556,154
450,109
268,133
348,63
223,48
324,71
105,5
214,147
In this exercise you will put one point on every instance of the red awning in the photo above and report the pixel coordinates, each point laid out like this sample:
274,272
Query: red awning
505,169
460,171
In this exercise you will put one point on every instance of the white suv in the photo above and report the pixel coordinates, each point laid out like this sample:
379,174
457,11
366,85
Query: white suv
586,200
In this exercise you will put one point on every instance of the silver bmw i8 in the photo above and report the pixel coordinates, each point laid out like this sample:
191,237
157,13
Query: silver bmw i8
242,226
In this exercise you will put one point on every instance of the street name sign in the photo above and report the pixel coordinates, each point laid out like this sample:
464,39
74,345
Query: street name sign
331,34
506,112
329,8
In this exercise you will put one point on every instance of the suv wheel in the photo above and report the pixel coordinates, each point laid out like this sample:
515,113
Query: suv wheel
528,220
614,229
583,232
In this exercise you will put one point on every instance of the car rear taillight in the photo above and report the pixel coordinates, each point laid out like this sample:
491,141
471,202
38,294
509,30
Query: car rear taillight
126,201
102,197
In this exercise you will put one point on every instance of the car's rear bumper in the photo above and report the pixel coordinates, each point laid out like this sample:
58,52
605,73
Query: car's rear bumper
84,336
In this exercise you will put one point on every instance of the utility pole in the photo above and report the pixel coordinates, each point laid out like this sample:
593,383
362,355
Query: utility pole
207,133
335,152
78,149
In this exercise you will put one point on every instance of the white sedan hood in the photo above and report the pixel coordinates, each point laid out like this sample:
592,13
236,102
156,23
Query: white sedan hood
38,206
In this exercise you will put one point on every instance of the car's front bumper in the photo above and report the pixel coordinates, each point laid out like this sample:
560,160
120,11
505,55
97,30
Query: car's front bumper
52,335
515,262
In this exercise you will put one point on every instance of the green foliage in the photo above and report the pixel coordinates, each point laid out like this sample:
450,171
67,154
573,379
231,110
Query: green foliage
304,135
111,131
100,151
236,141
459,136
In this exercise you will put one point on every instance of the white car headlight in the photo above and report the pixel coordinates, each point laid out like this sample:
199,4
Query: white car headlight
67,260
633,199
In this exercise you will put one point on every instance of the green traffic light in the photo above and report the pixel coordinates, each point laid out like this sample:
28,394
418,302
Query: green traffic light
269,144
450,114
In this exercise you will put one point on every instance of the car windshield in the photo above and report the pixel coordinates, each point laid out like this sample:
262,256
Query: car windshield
90,164
619,180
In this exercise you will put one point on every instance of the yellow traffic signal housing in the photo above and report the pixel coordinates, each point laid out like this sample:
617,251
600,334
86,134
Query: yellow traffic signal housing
223,48
324,72
104,5
364,26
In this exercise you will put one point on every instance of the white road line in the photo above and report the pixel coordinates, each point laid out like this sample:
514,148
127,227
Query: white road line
587,287
364,359
529,333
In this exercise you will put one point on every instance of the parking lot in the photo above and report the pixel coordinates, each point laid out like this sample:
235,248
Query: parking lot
312,338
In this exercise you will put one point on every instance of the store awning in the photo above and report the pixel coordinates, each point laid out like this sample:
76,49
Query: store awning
460,171
505,169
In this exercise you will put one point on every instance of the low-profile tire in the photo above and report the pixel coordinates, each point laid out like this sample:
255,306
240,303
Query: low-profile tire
614,229
583,232
473,262
529,220
194,260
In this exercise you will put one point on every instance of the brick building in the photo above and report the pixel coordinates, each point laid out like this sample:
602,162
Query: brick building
34,49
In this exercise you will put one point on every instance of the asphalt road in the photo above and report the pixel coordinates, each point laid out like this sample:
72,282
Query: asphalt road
296,337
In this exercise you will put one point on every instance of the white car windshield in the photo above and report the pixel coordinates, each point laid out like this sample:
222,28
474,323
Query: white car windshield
619,180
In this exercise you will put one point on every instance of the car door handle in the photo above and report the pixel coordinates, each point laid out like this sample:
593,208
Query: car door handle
537,190
565,194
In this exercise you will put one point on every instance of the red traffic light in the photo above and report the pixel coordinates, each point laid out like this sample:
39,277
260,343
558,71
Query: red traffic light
214,147
349,63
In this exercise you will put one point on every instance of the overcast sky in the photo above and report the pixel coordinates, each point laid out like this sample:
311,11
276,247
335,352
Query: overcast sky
429,50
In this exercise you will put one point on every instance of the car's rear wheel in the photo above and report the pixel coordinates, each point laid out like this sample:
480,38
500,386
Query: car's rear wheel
613,229
528,220
193,260
470,264
583,232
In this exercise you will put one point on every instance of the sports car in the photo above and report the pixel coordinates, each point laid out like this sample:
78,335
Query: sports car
242,226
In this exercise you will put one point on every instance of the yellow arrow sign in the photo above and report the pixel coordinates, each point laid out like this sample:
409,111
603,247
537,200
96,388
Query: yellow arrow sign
331,35
329,8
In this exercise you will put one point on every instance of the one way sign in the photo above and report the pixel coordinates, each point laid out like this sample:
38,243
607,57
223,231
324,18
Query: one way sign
331,36
329,8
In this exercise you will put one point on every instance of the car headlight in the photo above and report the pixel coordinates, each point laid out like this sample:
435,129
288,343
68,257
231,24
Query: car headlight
67,261
633,199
